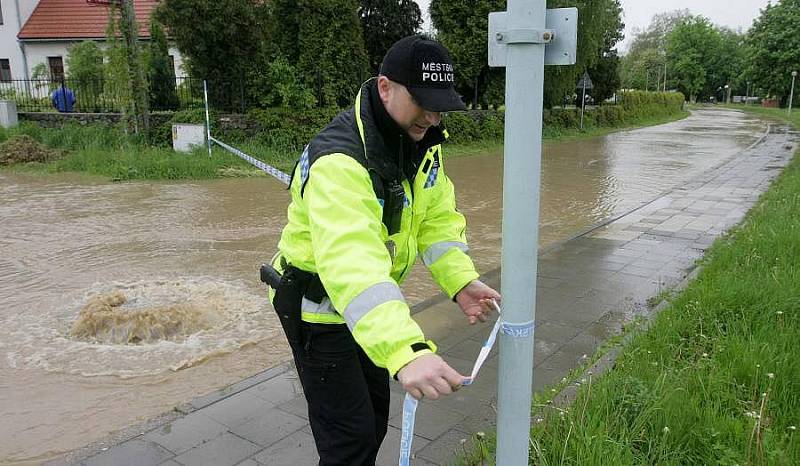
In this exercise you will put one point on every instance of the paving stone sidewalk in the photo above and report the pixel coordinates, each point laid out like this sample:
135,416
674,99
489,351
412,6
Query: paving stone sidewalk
588,287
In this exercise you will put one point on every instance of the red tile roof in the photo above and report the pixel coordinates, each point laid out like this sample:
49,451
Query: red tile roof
77,19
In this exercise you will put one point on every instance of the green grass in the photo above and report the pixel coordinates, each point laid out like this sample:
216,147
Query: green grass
108,152
775,113
715,379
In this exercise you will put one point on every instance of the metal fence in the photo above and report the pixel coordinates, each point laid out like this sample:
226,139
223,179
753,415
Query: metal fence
101,96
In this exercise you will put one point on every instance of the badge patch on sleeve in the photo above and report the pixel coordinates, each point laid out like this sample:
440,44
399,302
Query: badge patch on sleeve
434,173
305,166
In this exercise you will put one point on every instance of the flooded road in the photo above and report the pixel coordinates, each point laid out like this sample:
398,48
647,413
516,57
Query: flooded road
184,257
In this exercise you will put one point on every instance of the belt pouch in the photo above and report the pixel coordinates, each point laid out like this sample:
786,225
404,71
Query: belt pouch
288,300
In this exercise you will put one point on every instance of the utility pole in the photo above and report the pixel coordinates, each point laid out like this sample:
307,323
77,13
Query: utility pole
522,40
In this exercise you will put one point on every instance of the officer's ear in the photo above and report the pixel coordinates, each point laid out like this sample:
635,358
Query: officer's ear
385,89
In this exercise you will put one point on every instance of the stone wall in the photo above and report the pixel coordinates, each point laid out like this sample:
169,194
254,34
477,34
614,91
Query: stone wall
227,122
57,120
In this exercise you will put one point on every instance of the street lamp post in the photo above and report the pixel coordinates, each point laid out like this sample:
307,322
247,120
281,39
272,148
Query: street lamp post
791,94
727,94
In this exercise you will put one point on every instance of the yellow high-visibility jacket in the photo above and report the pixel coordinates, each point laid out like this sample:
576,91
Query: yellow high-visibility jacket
336,229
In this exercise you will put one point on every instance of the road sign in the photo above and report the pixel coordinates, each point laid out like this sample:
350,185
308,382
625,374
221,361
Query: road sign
560,35
585,82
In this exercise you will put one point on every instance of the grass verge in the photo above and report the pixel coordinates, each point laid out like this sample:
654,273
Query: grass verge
775,113
108,152
714,379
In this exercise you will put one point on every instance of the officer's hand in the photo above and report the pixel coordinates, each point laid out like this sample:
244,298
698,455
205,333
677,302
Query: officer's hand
475,300
429,376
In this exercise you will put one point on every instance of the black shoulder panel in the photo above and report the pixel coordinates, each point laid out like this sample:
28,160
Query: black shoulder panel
339,137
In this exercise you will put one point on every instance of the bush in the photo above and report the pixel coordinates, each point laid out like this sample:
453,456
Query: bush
288,129
562,118
85,65
638,104
608,115
463,127
493,125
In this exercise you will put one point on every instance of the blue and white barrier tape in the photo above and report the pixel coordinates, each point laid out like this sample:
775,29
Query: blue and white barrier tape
268,169
409,413
410,403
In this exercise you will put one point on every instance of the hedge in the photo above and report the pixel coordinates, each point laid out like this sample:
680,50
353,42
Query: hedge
290,130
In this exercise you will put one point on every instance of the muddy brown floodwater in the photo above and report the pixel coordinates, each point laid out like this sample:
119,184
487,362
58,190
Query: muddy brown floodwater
181,260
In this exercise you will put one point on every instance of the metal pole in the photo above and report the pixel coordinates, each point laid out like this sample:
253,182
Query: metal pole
665,75
583,102
208,120
791,94
747,94
475,95
522,166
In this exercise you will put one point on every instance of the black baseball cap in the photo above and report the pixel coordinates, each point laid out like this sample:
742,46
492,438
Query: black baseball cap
425,68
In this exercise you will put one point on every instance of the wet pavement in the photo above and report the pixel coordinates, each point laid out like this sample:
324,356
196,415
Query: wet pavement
185,255
588,287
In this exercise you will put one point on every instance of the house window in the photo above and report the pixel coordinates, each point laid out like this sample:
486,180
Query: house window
5,70
172,64
56,68
1,13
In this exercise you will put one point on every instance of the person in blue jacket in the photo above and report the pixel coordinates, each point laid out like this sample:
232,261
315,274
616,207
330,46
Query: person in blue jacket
63,99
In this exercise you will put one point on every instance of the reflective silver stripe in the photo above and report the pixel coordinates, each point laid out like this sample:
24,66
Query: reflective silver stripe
369,299
437,250
325,307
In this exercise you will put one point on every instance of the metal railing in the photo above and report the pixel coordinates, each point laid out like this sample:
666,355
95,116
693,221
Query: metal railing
102,96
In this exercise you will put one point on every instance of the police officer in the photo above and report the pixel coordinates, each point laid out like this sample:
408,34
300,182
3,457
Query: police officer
369,194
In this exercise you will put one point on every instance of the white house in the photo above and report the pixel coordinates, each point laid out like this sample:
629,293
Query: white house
41,31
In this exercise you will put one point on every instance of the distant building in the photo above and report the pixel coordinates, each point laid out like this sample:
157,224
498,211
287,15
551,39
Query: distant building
41,31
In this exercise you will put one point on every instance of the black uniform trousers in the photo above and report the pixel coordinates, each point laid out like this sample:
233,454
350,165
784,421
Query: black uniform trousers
347,395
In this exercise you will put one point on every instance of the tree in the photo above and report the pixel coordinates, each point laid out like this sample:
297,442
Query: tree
85,73
128,28
693,49
462,26
731,61
161,75
125,78
599,29
773,48
219,39
323,39
655,35
283,87
605,77
85,61
642,67
383,23
117,86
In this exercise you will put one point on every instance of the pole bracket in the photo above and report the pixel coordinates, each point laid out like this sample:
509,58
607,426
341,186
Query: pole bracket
525,36
560,37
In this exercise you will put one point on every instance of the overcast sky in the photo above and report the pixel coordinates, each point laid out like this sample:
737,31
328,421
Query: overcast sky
637,13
